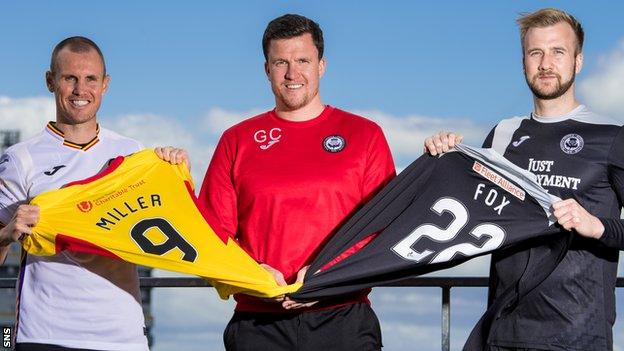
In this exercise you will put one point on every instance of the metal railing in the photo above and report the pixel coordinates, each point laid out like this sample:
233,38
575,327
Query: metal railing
445,283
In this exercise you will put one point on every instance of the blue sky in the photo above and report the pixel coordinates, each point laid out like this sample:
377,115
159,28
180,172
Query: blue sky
179,59
184,71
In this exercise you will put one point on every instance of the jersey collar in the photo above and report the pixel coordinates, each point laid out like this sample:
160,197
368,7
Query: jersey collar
556,119
54,131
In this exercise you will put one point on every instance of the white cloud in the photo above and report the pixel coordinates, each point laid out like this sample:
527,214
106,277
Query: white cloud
217,120
28,115
406,134
603,89
153,130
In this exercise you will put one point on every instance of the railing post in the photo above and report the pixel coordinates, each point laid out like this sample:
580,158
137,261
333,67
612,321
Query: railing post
446,318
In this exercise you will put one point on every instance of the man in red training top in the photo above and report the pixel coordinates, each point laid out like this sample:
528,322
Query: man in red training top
280,183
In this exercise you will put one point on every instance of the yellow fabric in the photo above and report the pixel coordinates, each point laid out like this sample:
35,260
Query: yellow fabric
141,191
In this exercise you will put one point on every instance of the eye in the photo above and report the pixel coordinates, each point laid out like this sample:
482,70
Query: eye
303,61
69,78
280,63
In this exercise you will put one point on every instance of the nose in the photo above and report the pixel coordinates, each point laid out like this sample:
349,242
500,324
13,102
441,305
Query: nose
79,87
291,72
546,62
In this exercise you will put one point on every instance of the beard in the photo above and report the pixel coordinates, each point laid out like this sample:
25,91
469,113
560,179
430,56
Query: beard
294,102
560,88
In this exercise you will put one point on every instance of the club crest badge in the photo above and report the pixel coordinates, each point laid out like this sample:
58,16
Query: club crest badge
334,143
572,144
85,206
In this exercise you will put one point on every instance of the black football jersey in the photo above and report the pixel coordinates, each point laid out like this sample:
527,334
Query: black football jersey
580,156
437,213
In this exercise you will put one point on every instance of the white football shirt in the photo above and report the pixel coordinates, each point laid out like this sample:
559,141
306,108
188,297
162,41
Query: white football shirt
71,300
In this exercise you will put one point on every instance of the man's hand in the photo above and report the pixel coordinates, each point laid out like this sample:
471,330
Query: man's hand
173,155
279,279
442,142
25,217
292,304
573,216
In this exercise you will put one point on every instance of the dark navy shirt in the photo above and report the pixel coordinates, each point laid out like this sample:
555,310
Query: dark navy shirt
581,156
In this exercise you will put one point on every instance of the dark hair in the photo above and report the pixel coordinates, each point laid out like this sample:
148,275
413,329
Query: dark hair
76,44
289,26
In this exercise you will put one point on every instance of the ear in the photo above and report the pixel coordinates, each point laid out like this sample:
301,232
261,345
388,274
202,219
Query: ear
106,82
322,65
579,62
49,78
266,68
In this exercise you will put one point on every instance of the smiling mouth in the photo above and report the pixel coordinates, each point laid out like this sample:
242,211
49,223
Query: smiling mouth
79,103
293,86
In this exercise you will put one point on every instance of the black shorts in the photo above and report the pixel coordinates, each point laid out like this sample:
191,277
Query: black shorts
351,327
28,346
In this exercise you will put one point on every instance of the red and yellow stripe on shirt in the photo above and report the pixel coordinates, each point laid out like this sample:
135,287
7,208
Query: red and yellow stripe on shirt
143,210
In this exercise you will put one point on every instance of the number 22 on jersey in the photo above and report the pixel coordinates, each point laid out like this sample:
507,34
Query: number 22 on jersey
460,215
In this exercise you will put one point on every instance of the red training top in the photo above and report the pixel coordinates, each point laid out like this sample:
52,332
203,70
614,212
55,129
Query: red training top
281,188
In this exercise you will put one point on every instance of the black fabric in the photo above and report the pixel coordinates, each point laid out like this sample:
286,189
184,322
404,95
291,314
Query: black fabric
543,259
351,327
404,207
574,307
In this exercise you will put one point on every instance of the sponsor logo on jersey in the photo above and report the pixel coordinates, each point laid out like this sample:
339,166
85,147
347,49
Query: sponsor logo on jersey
119,192
521,140
85,206
499,180
267,138
53,170
551,180
334,143
571,144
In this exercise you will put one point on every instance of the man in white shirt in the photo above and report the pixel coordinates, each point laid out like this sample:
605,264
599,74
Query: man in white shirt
70,301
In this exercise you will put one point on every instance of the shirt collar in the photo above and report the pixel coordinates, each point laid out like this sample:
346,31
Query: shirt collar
54,131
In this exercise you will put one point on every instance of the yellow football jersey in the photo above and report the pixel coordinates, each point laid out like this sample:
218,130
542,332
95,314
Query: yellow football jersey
143,210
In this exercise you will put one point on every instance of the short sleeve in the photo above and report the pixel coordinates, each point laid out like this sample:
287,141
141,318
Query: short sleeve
379,166
12,187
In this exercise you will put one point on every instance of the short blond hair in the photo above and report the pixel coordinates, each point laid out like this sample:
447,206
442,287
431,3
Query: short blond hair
548,17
